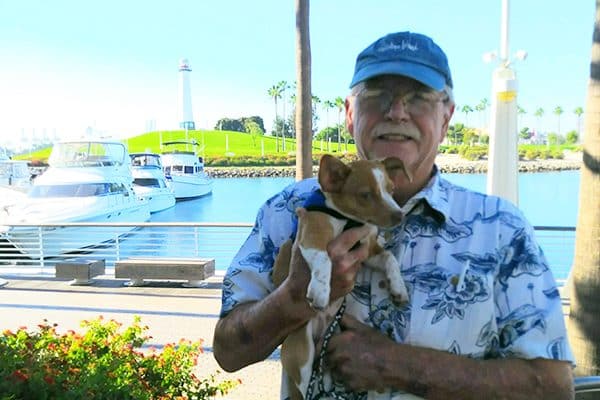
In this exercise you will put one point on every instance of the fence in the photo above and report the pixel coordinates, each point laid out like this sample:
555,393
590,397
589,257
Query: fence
41,246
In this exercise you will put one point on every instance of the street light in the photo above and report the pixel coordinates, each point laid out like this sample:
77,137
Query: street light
502,175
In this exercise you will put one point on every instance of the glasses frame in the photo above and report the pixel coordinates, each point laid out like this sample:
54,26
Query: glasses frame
416,102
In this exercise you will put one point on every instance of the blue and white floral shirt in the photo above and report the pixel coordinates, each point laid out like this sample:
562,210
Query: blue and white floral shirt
479,284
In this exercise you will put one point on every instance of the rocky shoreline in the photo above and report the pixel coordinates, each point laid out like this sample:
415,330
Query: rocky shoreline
446,163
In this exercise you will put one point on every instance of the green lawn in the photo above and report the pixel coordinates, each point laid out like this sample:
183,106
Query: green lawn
212,145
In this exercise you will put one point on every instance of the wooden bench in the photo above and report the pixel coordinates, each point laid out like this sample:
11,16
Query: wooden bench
194,270
80,270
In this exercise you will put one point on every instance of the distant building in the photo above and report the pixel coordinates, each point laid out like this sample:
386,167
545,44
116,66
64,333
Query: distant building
186,121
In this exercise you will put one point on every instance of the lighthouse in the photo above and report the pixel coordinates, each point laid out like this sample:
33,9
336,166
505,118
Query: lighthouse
186,120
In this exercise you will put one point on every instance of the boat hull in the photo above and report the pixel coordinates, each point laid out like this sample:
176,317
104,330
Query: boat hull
188,187
53,241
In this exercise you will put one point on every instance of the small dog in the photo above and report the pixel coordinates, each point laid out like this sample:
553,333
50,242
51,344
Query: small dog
360,192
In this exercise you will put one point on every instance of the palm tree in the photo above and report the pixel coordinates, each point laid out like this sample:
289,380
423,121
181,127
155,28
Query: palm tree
584,318
275,93
558,111
539,113
466,109
315,104
328,105
304,103
483,105
339,103
578,111
283,86
520,112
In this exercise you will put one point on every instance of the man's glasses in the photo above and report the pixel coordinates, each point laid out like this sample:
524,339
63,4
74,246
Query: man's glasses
415,102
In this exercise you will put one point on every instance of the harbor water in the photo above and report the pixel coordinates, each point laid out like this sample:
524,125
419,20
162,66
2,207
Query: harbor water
546,199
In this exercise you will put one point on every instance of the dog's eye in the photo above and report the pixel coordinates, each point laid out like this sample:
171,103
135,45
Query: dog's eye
366,196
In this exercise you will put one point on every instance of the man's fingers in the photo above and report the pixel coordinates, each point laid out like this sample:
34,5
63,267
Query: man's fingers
346,240
348,322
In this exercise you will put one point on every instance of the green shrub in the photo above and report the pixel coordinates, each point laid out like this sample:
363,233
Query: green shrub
474,153
102,363
531,154
557,154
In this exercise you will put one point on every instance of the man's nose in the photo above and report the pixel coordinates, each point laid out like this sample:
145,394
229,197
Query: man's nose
397,110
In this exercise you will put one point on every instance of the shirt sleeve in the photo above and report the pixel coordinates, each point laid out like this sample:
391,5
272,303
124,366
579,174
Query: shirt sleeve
530,320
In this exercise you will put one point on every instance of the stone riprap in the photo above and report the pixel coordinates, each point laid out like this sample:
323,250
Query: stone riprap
447,164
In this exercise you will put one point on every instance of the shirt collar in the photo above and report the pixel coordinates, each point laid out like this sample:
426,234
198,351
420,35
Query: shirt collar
434,195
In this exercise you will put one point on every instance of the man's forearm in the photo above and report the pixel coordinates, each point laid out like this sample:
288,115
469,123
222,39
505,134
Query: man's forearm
435,374
252,331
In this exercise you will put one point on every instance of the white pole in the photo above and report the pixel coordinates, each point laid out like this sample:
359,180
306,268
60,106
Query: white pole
503,168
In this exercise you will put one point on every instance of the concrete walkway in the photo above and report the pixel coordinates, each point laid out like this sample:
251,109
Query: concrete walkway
170,311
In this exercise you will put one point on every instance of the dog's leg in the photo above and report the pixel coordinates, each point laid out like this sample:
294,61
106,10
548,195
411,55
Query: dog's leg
386,262
297,356
318,290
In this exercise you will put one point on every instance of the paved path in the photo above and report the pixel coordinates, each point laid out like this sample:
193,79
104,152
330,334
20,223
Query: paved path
170,311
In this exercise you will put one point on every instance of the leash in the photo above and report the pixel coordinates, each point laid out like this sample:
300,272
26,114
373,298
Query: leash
318,372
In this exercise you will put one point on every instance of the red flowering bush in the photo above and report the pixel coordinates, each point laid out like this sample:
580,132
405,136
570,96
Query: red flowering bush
101,363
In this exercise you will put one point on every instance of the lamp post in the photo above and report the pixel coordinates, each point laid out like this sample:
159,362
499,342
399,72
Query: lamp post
502,175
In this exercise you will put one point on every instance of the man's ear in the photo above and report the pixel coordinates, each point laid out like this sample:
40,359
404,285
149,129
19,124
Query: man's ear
349,105
448,112
332,173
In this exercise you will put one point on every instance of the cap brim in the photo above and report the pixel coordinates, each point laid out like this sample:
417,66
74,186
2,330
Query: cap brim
419,72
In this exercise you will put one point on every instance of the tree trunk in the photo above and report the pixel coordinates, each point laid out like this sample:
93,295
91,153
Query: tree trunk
304,92
584,315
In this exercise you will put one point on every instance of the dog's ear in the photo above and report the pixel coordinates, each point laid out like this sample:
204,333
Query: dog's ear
332,173
394,166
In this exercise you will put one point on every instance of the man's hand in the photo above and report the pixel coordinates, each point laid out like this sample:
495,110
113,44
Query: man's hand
346,262
356,355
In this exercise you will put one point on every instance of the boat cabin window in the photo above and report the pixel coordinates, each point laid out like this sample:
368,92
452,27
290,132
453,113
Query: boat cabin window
77,190
147,182
189,169
84,154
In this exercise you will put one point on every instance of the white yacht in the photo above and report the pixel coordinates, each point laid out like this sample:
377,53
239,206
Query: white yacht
87,181
185,170
14,174
149,181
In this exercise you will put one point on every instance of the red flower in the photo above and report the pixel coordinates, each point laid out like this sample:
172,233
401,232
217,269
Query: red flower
20,375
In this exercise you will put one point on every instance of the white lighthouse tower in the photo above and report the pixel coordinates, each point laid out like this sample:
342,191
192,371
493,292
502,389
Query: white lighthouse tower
186,120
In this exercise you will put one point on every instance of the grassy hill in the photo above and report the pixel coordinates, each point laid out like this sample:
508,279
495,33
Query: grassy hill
213,145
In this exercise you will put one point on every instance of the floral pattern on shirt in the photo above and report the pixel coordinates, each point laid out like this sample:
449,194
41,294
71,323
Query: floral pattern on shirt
479,284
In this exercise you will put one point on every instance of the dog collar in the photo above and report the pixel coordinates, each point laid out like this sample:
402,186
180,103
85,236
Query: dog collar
316,202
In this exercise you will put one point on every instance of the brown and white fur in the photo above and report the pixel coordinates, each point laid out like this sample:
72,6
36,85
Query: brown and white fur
362,191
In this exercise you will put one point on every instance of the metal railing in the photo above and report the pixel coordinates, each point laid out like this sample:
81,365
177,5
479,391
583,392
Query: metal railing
40,247
46,244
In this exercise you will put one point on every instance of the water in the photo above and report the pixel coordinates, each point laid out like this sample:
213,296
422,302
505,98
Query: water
546,199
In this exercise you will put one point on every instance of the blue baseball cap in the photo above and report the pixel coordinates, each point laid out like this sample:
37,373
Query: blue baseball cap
404,53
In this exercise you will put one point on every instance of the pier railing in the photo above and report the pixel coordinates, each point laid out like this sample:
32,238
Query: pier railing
194,239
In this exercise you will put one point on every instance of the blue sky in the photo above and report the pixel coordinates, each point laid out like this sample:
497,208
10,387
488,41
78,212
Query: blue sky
113,64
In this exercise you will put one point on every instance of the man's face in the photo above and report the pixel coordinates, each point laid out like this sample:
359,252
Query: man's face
397,116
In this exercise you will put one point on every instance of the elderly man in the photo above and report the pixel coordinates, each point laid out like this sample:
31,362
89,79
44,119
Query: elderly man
484,319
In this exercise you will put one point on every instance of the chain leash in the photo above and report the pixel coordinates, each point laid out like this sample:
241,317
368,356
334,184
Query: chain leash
318,372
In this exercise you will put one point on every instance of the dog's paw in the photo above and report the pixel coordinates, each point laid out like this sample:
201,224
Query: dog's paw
317,294
399,293
399,300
